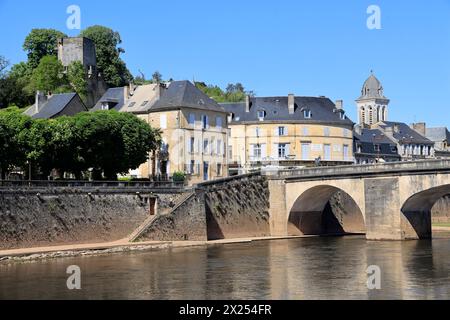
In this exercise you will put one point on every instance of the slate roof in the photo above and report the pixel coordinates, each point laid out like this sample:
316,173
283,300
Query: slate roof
185,94
323,110
114,95
438,134
372,88
404,134
369,138
53,106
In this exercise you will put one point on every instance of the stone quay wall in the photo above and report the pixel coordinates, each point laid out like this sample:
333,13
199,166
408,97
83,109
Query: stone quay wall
233,207
36,217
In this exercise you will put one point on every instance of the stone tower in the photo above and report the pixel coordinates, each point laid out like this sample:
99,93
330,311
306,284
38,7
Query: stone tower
83,50
372,105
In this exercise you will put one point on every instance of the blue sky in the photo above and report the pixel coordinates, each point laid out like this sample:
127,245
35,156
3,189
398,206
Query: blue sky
320,47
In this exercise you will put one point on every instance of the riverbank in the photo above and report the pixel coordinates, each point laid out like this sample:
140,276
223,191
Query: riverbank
39,253
122,246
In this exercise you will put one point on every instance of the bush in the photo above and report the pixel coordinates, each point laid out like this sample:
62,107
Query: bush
179,176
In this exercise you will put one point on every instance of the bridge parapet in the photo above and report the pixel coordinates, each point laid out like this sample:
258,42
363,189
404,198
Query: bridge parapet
392,168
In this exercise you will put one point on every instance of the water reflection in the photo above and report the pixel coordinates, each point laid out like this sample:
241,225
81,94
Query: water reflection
314,268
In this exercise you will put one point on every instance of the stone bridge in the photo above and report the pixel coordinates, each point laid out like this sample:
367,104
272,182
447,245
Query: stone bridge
391,201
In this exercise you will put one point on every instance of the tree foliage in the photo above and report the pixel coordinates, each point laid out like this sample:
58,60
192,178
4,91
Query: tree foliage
109,63
108,142
40,43
233,92
77,78
48,76
15,88
14,127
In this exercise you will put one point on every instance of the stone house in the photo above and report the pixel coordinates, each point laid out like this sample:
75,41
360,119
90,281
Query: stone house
56,105
194,128
287,132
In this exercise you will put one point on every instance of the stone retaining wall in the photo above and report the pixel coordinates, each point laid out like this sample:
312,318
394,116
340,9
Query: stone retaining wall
37,217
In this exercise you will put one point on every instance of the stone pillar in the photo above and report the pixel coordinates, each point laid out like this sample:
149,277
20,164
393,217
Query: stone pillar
384,217
382,208
278,212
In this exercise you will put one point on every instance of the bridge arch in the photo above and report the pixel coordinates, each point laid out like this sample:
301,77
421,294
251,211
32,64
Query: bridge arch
416,212
325,209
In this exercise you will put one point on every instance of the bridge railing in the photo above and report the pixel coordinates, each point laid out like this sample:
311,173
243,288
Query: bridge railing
413,166
82,183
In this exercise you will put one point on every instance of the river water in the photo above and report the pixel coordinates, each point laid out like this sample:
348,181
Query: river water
309,268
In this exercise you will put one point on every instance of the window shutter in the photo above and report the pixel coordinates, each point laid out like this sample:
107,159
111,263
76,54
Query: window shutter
275,150
288,150
263,151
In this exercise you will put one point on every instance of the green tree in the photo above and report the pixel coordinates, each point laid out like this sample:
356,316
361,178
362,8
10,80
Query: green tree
48,76
111,142
157,77
77,76
40,43
3,65
15,87
109,63
14,128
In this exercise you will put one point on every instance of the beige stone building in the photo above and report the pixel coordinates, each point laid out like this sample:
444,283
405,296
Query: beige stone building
288,132
194,129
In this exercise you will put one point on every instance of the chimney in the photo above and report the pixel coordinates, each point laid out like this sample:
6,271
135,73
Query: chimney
159,88
248,103
420,128
339,104
41,98
291,103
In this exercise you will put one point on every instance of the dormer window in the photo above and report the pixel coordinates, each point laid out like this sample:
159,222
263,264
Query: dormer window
342,115
261,115
105,106
307,114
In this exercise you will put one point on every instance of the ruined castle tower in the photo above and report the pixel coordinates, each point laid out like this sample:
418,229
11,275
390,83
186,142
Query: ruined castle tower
83,50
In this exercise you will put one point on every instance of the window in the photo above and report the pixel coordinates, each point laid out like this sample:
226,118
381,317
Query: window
345,133
258,132
282,150
213,147
394,149
205,122
191,120
256,151
305,131
326,132
261,115
358,147
219,122
219,169
306,148
282,131
163,121
307,114
205,146
131,105
191,146
327,152
105,106
346,152
144,103
377,148
219,147
342,114
192,167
